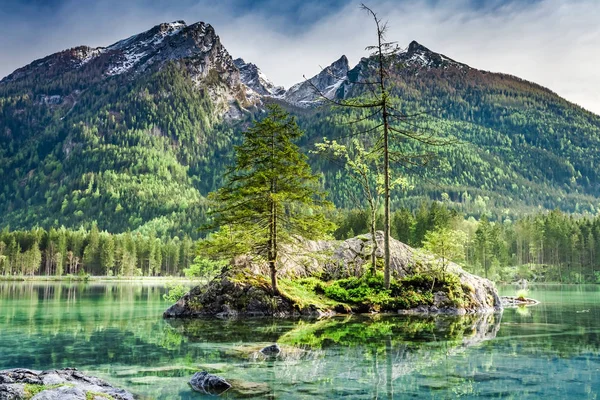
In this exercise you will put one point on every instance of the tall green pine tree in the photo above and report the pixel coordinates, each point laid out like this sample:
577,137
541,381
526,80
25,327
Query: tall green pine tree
271,194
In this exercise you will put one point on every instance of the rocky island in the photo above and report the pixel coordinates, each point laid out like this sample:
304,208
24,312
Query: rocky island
322,278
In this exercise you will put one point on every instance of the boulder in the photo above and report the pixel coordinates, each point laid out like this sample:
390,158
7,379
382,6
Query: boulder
271,351
204,382
62,384
236,292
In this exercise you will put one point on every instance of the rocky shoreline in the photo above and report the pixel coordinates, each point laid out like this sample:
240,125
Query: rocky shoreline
67,383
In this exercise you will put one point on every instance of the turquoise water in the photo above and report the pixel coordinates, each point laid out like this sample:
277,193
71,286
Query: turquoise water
115,331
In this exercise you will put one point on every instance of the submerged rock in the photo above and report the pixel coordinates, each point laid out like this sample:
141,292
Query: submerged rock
271,351
244,389
513,301
242,289
214,385
204,382
62,384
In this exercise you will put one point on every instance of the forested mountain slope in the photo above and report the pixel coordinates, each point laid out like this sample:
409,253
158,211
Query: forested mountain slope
520,146
133,135
116,134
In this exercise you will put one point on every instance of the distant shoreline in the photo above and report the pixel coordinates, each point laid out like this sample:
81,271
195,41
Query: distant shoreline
26,278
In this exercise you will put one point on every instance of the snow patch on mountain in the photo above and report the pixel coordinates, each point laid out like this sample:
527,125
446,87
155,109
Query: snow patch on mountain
256,81
137,47
84,54
420,56
323,85
130,60
154,36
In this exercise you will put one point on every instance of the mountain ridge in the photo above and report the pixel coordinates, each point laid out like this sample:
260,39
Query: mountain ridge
144,127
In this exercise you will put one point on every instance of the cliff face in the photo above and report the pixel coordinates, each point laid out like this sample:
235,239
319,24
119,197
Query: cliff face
242,288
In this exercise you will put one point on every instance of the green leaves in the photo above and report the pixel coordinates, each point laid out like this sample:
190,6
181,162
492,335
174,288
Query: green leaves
269,188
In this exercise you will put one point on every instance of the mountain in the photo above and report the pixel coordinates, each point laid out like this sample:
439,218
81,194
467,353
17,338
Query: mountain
256,81
520,146
325,83
135,134
118,134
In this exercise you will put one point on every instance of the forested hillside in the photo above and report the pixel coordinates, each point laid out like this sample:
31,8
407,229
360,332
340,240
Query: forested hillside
133,136
125,150
520,147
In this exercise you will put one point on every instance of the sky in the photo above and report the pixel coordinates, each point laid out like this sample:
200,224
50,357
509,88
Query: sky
555,43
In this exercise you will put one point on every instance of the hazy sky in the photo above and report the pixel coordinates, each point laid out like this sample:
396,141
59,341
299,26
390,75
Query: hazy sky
555,43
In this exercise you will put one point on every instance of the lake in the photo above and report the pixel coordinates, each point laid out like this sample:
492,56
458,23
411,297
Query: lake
115,331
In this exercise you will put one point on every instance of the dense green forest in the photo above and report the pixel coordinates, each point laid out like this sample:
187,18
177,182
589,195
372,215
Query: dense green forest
546,247
142,153
124,165
92,252
519,146
127,153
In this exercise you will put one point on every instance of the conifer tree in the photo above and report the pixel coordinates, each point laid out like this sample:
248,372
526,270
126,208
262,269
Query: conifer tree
271,195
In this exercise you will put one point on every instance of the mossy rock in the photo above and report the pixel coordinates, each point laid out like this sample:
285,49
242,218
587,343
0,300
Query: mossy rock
417,284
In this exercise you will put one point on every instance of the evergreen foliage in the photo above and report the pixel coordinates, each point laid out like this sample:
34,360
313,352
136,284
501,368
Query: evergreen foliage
141,153
59,252
271,197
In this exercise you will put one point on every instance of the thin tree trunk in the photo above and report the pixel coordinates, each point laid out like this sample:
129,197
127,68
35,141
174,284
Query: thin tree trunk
273,229
373,238
386,166
273,249
386,224
389,370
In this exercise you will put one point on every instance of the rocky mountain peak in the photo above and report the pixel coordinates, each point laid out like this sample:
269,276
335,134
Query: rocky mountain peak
419,56
195,47
325,83
340,67
415,46
256,80
165,42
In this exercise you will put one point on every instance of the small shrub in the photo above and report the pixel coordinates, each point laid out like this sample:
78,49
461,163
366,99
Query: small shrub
313,284
174,292
522,294
204,268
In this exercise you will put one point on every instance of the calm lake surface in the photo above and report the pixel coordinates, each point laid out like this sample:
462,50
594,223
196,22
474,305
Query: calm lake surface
115,331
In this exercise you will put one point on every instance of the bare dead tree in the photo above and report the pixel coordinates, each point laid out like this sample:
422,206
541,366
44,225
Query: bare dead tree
392,126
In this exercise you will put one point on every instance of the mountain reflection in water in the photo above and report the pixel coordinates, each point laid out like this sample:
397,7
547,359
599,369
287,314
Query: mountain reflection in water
115,331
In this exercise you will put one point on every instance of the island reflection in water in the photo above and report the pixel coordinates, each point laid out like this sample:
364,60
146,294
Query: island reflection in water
115,331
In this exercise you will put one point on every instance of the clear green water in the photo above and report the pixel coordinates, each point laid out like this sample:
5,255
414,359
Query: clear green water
115,331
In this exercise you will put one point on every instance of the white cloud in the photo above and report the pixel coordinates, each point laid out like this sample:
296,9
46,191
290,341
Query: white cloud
555,43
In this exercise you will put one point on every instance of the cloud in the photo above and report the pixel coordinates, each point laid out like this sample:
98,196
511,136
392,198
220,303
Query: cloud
555,43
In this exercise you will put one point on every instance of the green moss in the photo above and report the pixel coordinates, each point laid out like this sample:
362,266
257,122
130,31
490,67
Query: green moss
92,395
369,293
364,294
245,277
309,292
448,283
31,390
